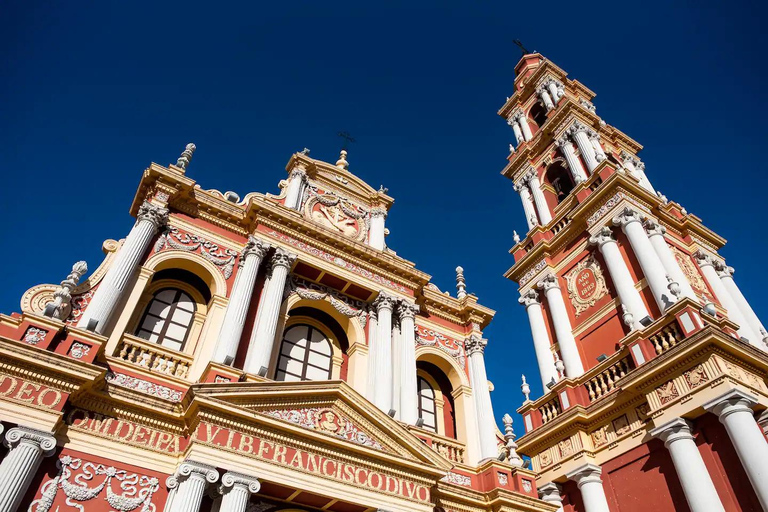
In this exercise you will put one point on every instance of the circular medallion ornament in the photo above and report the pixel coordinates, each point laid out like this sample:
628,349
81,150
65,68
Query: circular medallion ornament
586,285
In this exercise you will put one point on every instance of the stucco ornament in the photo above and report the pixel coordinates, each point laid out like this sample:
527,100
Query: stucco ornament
586,285
345,305
223,258
328,421
336,212
63,294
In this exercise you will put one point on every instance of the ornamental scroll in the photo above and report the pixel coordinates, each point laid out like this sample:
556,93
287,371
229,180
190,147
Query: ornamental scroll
345,305
430,338
586,285
336,213
223,258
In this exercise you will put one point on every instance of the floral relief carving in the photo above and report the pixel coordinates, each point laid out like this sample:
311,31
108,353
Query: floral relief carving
79,350
223,258
457,479
143,386
431,338
610,203
336,213
642,412
586,285
328,421
527,485
566,447
667,392
345,305
503,478
691,272
696,376
621,425
34,335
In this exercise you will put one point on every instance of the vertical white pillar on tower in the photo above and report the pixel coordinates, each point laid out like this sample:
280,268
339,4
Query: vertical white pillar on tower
382,352
263,336
556,89
631,222
522,120
622,280
551,493
580,134
538,197
546,99
726,277
188,486
148,221
541,342
377,229
734,409
397,362
656,235
516,129
27,448
409,407
295,192
239,300
486,424
700,492
637,169
563,330
236,490
373,364
528,208
587,477
594,139
574,164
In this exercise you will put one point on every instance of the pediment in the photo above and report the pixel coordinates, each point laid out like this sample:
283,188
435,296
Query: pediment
328,411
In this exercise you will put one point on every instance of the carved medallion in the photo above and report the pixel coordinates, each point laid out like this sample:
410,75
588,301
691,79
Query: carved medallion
691,272
545,458
621,425
337,214
586,285
566,447
599,438
642,412
695,377
667,392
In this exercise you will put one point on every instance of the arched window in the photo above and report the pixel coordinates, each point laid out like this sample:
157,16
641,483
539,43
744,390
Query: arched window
305,354
168,318
539,114
427,407
561,181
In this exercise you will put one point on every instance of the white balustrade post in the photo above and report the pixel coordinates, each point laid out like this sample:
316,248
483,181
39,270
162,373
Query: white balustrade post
622,280
188,486
550,493
239,300
726,277
734,409
148,221
27,448
486,424
563,330
528,209
574,164
707,266
382,352
409,407
541,342
263,335
538,197
377,229
516,129
671,266
700,492
580,134
631,223
587,477
296,181
236,490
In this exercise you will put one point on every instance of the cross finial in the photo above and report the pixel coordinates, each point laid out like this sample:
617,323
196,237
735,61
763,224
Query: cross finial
522,48
347,139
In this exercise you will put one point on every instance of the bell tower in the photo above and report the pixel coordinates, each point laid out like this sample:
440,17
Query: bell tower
640,332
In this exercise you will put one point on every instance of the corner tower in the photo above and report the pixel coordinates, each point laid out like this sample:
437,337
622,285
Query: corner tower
642,337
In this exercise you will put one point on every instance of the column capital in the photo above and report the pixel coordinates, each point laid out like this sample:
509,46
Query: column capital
577,126
532,178
548,281
627,216
653,227
43,441
529,298
733,401
231,479
254,246
407,309
475,344
724,270
298,172
586,474
191,467
378,212
563,141
675,430
384,301
704,259
551,493
602,237
629,158
157,215
282,258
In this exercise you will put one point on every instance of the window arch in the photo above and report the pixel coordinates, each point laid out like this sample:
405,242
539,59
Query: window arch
305,354
538,113
561,180
168,318
427,405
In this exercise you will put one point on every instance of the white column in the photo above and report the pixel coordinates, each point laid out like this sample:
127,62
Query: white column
762,421
295,188
557,90
263,336
236,490
538,197
188,486
574,164
550,493
622,280
734,409
707,266
486,424
693,475
546,98
372,365
522,119
637,169
587,477
382,352
631,223
239,300
528,209
541,343
671,266
594,139
397,359
376,235
579,132
516,129
726,277
27,447
149,219
409,407
563,330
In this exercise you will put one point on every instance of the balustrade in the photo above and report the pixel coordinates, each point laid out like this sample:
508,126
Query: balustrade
605,381
153,357
666,338
550,410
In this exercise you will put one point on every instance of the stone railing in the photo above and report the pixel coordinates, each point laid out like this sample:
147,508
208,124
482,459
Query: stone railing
449,448
153,357
666,338
550,410
605,381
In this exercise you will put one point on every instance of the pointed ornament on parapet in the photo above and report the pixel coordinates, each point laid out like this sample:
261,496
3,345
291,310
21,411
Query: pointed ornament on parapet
342,163
526,389
59,308
511,446
186,156
461,284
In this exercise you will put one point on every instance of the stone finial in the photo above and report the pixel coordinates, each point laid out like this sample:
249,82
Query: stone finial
629,318
509,435
515,237
673,287
559,365
765,336
461,284
63,294
526,389
186,156
305,151
342,163
383,189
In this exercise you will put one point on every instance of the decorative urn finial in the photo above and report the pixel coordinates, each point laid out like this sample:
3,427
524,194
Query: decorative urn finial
186,156
461,284
342,163
515,237
511,446
526,389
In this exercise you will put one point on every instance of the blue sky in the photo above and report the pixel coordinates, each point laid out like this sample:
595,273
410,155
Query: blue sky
93,91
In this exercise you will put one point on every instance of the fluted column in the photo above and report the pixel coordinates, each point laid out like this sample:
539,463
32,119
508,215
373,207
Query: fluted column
580,134
587,477
671,266
239,300
726,277
236,490
707,266
541,343
637,169
734,409
27,448
148,221
409,407
631,223
486,424
372,365
295,190
187,486
574,164
594,139
397,367
762,421
528,209
376,235
516,129
551,493
694,478
563,330
522,120
538,197
263,336
622,280
382,352
556,89
546,99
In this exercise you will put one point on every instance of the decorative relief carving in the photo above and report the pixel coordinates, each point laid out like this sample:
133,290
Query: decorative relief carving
696,376
144,386
691,272
545,458
503,478
457,479
79,350
599,437
667,392
34,335
430,338
586,284
345,305
336,213
532,272
566,448
621,425
328,421
610,203
223,258
642,412
527,485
